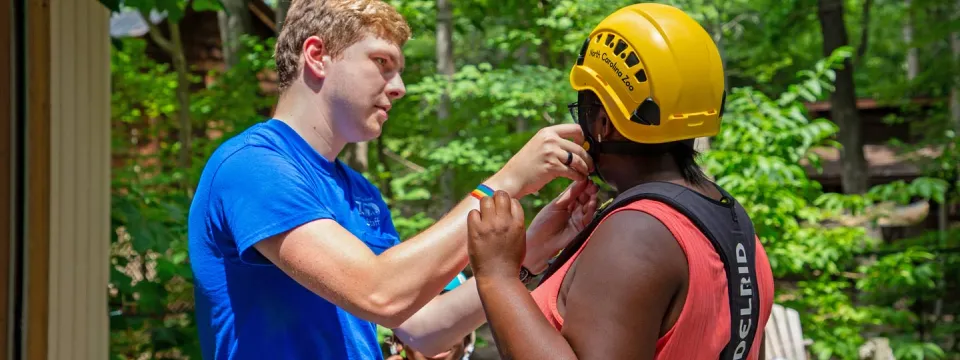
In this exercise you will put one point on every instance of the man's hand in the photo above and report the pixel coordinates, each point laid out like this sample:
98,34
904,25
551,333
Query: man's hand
543,159
559,222
496,236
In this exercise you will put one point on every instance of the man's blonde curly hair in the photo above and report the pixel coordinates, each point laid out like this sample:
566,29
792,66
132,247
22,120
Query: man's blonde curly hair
339,23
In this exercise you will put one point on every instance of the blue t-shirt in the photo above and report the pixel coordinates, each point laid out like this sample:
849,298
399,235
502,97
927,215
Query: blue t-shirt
265,181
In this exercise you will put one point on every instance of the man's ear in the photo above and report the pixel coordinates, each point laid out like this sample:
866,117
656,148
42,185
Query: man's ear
314,56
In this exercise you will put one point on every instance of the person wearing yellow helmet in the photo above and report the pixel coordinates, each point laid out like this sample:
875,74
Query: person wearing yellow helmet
672,269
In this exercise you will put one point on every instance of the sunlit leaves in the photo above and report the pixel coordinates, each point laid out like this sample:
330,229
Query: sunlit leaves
173,9
512,63
757,157
150,270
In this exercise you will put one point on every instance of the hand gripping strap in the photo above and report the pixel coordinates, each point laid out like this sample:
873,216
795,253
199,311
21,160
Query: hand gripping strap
729,229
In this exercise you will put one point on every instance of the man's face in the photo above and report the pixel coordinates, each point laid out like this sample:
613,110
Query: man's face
361,86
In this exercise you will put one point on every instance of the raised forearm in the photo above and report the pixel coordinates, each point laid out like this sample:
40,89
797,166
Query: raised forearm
520,330
411,274
444,321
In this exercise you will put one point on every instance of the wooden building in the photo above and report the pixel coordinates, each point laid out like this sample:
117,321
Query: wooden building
203,45
887,163
54,179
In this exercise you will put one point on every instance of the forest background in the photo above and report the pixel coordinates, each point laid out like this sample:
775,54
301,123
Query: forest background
855,256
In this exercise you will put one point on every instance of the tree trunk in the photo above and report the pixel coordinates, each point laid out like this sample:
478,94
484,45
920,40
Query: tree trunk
183,101
913,59
356,155
843,104
954,111
234,21
280,13
955,90
544,48
174,47
702,144
942,215
445,67
718,38
381,158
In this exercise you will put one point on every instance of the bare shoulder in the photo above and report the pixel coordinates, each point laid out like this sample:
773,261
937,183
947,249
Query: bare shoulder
629,236
626,278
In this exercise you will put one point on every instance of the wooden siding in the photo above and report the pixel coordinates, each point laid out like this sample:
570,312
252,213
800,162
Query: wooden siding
79,181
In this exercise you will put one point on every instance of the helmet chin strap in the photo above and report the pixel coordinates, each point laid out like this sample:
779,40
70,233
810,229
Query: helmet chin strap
593,149
629,148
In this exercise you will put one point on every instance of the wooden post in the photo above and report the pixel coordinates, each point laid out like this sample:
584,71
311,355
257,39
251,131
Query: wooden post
65,182
37,182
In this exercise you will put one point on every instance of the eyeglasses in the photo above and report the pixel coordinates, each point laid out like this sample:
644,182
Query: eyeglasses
574,109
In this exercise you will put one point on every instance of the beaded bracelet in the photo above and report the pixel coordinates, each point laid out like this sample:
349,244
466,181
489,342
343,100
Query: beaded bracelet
481,191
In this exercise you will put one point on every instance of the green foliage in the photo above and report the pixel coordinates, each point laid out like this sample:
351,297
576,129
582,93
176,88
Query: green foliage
512,63
151,298
841,291
174,9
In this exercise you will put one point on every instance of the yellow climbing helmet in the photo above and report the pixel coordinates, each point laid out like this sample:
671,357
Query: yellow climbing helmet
657,72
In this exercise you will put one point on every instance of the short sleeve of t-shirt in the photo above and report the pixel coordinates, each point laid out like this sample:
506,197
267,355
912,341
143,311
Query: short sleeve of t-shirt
261,193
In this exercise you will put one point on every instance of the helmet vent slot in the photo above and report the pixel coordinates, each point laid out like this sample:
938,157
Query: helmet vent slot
632,60
641,75
583,51
609,41
621,46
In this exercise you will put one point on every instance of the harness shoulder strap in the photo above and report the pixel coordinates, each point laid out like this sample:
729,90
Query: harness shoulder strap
728,227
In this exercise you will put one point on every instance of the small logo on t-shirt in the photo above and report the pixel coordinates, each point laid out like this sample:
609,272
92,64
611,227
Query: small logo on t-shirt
369,211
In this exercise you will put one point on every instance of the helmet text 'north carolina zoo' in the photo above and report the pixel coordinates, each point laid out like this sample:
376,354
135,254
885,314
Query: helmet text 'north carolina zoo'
613,65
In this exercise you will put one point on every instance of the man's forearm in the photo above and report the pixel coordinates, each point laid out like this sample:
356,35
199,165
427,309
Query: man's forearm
414,272
444,321
387,289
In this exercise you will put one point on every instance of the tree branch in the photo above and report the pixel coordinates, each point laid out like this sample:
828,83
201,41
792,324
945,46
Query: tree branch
132,313
736,21
549,118
155,34
409,164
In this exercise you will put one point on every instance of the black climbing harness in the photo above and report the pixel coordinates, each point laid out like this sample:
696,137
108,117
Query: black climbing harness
726,224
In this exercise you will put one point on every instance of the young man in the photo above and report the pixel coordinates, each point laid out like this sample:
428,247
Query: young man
295,255
671,270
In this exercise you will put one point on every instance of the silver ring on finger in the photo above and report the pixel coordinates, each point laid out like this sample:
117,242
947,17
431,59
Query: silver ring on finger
569,159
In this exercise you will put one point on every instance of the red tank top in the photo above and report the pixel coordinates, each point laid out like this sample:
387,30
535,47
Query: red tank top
703,328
